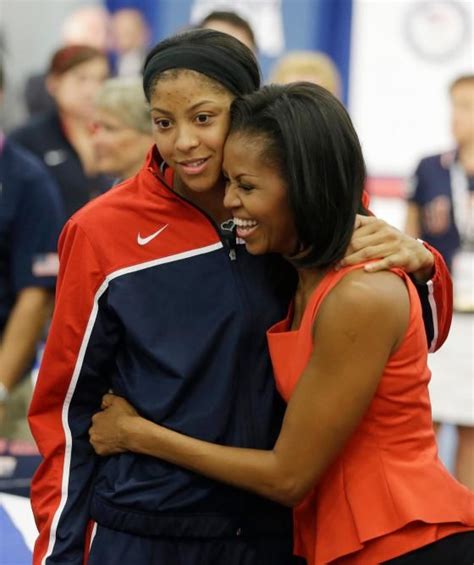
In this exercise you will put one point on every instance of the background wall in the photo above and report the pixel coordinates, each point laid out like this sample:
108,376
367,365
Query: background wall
31,32
404,55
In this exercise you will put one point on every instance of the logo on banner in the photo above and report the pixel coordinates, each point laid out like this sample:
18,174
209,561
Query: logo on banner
437,29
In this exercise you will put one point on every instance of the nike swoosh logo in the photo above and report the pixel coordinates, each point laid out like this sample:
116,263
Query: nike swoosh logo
144,240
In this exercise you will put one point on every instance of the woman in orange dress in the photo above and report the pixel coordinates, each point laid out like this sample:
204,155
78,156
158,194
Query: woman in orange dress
356,455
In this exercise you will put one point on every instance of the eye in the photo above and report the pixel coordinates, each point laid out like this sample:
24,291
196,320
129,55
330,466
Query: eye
203,118
162,123
246,187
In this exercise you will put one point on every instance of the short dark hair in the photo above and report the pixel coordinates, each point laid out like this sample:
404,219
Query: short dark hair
308,135
224,48
232,19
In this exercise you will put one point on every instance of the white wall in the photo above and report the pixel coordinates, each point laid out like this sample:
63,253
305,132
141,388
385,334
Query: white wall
31,30
405,53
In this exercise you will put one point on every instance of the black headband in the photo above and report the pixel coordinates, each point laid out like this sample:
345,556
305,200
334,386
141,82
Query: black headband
208,60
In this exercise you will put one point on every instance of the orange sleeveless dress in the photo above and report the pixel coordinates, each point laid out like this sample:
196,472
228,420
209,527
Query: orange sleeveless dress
387,493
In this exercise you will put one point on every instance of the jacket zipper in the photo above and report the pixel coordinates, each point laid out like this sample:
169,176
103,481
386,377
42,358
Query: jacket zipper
232,253
226,243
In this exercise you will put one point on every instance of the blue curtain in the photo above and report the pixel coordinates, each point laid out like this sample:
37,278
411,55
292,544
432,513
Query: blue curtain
148,7
333,35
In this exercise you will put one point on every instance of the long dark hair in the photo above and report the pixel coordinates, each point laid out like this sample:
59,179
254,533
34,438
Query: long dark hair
308,135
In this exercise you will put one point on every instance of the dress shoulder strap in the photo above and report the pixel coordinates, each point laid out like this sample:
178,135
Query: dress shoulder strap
329,281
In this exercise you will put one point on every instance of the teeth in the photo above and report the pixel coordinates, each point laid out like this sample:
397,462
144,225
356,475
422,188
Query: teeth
194,163
245,223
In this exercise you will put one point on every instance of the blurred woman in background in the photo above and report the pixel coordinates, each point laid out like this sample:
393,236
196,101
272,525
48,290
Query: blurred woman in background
122,128
62,138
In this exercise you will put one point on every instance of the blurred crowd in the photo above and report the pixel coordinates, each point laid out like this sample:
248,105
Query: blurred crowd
88,128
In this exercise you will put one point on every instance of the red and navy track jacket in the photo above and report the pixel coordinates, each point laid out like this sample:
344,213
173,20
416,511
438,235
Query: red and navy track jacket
152,303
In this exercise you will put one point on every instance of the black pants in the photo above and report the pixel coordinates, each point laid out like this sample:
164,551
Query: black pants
110,547
457,549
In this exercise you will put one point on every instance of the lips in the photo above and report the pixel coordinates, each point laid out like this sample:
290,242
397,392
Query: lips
193,166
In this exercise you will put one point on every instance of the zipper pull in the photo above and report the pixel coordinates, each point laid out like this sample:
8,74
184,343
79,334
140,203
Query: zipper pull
228,235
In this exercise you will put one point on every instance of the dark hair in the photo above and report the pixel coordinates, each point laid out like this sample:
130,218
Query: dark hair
308,135
66,58
461,80
232,19
217,55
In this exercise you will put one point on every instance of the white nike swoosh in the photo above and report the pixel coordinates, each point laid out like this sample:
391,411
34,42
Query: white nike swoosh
144,240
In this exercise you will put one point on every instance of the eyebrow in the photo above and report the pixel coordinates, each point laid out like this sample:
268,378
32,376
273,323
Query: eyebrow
238,177
190,109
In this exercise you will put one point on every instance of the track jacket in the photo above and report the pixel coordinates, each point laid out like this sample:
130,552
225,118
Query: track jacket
153,303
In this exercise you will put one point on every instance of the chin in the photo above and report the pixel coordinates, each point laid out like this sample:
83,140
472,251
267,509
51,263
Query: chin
199,187
204,184
255,249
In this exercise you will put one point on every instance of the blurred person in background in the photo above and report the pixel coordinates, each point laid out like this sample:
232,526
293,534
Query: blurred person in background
30,221
231,23
62,138
441,212
310,66
87,25
130,37
122,128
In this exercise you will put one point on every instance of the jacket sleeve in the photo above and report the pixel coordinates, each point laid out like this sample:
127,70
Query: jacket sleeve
73,377
436,295
437,302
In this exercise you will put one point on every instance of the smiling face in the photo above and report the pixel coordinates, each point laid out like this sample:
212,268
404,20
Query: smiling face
257,196
190,115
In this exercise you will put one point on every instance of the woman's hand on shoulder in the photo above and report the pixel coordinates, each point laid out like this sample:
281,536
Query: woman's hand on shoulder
374,238
109,431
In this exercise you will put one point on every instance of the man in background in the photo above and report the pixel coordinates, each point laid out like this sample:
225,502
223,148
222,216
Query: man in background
231,23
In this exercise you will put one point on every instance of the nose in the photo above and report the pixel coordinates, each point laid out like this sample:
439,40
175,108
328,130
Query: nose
231,196
186,139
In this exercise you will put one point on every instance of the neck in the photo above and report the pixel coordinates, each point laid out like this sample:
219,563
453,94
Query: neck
466,157
130,172
209,201
79,136
308,280
73,123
